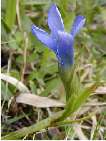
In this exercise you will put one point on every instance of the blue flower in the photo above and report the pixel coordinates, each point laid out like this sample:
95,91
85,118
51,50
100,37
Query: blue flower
60,42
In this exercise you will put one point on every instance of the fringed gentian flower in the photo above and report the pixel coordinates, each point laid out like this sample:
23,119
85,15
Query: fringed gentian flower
60,42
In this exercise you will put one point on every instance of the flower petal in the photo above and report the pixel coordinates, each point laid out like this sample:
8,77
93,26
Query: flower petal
44,37
65,51
55,21
77,25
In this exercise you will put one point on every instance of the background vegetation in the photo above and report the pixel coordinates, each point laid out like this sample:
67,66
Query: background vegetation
30,62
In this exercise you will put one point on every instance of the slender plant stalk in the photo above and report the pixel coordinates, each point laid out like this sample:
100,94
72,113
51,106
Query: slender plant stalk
25,55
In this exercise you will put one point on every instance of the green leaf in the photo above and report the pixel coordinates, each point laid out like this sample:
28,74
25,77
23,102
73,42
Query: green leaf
33,128
75,102
81,98
10,13
12,43
50,86
32,86
68,7
26,23
5,92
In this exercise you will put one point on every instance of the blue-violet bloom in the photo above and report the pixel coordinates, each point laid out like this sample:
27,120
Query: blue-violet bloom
60,42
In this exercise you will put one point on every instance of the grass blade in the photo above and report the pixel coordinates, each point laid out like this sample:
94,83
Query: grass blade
10,13
38,101
18,84
33,128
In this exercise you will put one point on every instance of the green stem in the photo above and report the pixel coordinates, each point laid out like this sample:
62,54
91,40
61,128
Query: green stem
33,128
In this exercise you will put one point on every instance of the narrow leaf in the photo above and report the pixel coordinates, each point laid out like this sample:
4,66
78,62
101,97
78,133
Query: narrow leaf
33,128
75,103
10,13
18,84
38,101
